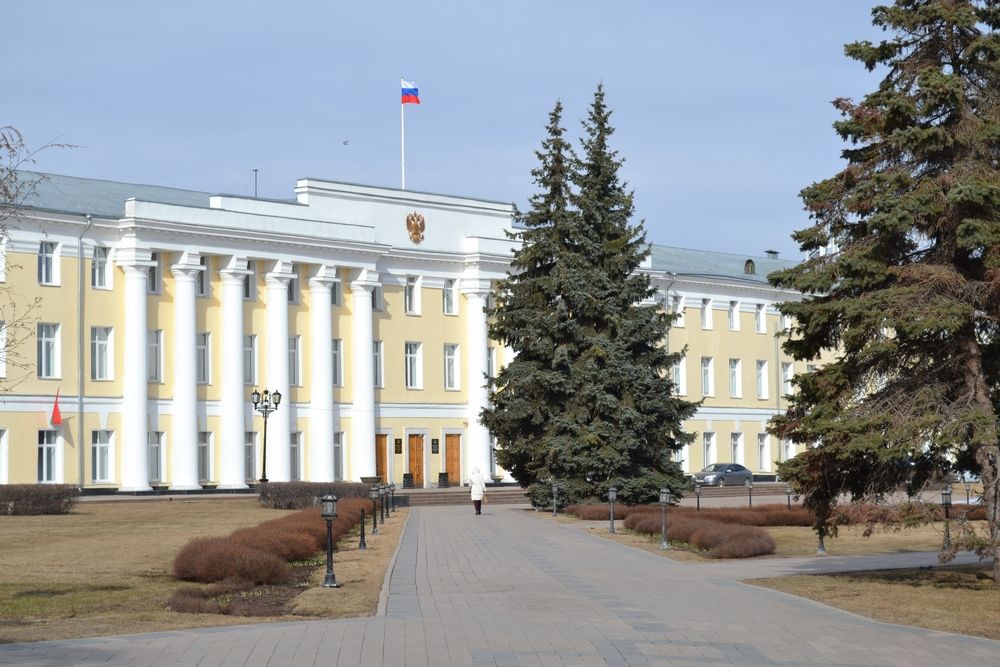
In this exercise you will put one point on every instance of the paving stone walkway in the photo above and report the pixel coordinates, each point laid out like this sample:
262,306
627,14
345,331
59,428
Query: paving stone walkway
509,589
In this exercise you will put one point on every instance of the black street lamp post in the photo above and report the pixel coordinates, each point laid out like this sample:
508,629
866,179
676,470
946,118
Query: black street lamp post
788,495
750,492
555,490
373,494
697,496
612,497
664,500
946,500
381,504
329,513
392,492
265,404
968,490
362,545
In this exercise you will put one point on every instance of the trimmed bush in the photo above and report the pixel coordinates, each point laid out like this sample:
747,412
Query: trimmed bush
32,499
298,495
720,540
211,559
599,512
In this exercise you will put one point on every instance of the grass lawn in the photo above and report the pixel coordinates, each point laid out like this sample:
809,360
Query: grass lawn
105,568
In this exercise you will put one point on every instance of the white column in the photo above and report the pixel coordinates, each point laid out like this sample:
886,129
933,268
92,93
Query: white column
363,389
478,437
135,444
233,394
320,438
279,423
184,435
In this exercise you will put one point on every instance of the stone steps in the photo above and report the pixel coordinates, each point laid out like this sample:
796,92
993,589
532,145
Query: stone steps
506,495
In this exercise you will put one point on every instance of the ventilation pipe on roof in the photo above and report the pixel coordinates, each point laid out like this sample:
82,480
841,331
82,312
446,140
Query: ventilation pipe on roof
79,352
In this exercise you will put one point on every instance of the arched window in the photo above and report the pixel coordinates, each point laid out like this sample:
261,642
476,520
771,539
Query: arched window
749,268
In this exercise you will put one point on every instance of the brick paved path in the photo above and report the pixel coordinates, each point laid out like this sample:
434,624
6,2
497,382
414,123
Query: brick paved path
508,588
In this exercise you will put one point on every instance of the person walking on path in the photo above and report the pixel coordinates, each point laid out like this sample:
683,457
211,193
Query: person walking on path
477,489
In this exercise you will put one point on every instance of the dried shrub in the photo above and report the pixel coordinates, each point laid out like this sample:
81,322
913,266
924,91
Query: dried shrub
719,539
743,542
297,495
210,559
34,499
285,544
598,511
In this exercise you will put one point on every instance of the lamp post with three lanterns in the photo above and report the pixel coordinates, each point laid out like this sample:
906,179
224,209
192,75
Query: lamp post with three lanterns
265,404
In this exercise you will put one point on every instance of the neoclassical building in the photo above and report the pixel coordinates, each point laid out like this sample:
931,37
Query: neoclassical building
160,310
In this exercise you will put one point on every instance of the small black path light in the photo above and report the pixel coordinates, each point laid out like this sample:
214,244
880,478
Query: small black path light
362,545
664,500
750,492
392,491
946,499
555,490
381,504
373,494
385,500
968,490
265,404
329,513
697,496
612,497
788,495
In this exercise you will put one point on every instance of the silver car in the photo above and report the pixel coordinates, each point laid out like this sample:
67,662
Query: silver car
724,474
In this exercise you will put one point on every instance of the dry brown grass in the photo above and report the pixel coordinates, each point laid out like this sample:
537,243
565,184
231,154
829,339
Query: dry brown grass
105,568
952,599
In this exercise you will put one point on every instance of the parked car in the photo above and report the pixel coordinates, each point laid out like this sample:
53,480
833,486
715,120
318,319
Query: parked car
724,474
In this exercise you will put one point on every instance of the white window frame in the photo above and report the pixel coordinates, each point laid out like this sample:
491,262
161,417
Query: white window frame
706,314
337,349
203,356
154,275
789,448
786,322
48,263
707,376
708,448
449,297
736,447
295,361
787,375
338,456
295,456
202,283
734,315
250,447
250,282
763,452
679,376
452,370
411,295
336,293
294,290
761,379
677,309
378,371
412,364
49,359
735,378
250,359
491,361
102,351
49,462
760,318
100,276
205,456
155,439
101,456
154,353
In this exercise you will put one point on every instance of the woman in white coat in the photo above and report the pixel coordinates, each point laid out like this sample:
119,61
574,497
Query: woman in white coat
477,489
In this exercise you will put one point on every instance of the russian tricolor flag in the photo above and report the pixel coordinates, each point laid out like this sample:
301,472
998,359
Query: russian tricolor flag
410,93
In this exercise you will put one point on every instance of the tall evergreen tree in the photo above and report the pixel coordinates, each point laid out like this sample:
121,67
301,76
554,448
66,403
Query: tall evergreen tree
910,298
586,402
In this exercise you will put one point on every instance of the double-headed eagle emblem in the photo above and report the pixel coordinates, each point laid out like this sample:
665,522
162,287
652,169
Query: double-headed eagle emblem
415,225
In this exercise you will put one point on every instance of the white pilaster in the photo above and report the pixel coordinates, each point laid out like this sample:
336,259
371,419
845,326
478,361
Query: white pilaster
279,423
233,395
320,438
135,445
363,390
476,290
184,436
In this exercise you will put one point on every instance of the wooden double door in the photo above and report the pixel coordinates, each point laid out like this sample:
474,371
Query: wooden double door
415,449
416,456
453,458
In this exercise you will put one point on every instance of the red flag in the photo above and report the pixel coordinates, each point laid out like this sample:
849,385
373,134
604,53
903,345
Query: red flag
56,415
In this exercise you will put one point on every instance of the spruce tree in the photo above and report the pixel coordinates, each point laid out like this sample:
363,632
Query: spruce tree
909,299
586,402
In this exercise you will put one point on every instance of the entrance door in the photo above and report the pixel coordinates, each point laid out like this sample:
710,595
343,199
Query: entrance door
453,458
381,440
416,443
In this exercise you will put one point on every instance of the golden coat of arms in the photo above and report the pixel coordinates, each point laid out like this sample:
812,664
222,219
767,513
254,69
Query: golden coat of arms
415,225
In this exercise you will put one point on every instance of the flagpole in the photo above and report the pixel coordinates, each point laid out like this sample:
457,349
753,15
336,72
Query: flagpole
402,148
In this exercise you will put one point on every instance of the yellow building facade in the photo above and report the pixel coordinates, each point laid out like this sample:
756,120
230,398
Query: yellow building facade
159,311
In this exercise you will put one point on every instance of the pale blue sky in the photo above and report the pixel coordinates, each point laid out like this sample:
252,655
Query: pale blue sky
722,108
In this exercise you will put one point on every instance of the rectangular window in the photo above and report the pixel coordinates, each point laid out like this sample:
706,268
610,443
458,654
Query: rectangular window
294,370
707,379
677,309
336,293
377,303
735,378
411,363
155,452
101,345
677,377
760,318
491,362
249,455
204,456
708,447
294,452
338,456
411,296
99,268
789,447
153,275
46,263
736,447
202,278
787,373
48,351
250,359
449,302
338,369
734,315
762,453
293,285
811,368
786,322
451,366
100,456
47,456
250,282
154,353
377,355
203,354
761,378
706,313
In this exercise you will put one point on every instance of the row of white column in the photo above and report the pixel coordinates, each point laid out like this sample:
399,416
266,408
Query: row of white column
233,401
